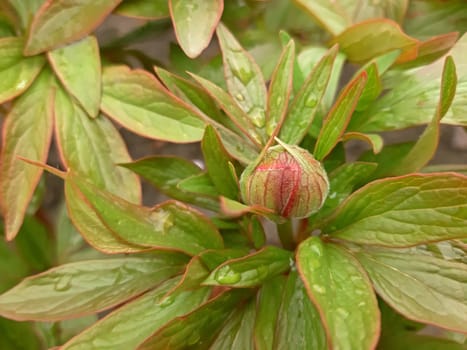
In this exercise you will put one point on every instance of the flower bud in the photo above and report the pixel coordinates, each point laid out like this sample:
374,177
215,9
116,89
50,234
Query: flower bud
288,180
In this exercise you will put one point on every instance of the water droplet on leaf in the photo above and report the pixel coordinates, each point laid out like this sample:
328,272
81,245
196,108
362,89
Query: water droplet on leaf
63,283
226,275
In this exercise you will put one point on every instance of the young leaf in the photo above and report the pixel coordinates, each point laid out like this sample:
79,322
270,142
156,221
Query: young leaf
217,163
244,78
128,326
339,116
194,22
46,30
144,9
422,288
306,102
198,327
17,72
27,132
167,174
366,40
342,292
251,270
86,287
279,90
91,147
375,141
404,211
78,67
237,333
170,225
269,301
135,99
299,324
92,227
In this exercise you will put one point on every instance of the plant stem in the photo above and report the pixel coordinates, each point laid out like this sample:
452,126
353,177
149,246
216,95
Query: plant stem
286,235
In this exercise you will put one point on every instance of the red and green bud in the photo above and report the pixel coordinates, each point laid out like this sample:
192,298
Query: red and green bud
288,180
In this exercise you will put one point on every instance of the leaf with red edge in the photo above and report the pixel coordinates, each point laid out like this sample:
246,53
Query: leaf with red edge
342,292
78,67
27,132
86,287
81,17
366,40
403,211
194,22
18,72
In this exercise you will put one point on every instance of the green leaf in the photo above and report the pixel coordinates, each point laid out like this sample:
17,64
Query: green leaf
425,148
325,12
299,323
18,72
306,101
217,163
404,211
375,141
93,229
244,79
336,121
167,173
373,86
422,288
170,225
213,258
237,333
410,340
86,287
135,99
78,67
27,133
364,41
130,325
25,10
342,292
269,301
92,147
195,273
200,184
19,335
194,22
199,327
251,270
145,9
279,90
46,30
12,267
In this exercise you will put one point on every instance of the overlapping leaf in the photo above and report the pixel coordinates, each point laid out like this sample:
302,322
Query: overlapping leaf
147,9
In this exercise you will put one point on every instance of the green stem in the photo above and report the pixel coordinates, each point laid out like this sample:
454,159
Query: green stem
286,235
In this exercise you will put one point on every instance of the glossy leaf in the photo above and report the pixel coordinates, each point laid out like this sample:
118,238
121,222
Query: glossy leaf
78,67
92,148
336,121
404,211
369,39
217,164
46,30
17,72
194,23
130,325
166,173
280,89
92,227
426,146
244,79
299,323
19,335
342,292
170,225
199,327
306,102
422,288
252,269
237,333
27,132
135,99
86,287
145,9
269,301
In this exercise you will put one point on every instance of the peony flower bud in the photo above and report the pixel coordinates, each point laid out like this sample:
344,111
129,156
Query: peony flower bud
288,180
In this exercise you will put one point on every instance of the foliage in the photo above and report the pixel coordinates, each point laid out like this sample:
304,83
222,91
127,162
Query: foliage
378,259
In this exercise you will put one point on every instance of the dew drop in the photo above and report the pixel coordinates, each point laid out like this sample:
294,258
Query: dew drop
319,288
166,301
161,220
243,75
225,275
240,97
262,272
257,116
63,283
311,102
